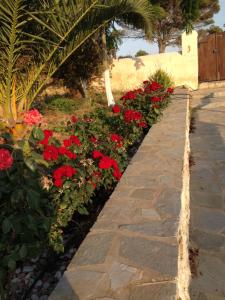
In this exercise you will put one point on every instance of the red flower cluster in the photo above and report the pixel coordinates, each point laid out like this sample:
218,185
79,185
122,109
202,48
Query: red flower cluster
116,138
64,151
132,115
66,171
143,124
51,153
131,95
170,90
47,135
116,109
72,140
155,99
106,162
32,117
151,86
6,159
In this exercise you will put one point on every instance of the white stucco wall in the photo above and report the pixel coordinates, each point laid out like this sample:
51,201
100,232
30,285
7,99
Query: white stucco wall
130,73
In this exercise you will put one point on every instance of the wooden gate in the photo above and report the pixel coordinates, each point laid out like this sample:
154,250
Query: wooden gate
211,57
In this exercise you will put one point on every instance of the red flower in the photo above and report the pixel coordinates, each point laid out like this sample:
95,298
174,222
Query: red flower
71,155
75,140
105,162
67,143
116,109
6,159
152,87
117,174
132,115
47,135
116,138
155,99
58,182
97,154
119,145
74,119
93,139
50,153
97,174
63,171
143,124
64,151
32,117
170,90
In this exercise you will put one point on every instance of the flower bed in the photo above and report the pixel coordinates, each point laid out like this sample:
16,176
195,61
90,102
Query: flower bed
48,176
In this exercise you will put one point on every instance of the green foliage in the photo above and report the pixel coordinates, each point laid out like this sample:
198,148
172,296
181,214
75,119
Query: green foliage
63,104
25,215
163,78
141,53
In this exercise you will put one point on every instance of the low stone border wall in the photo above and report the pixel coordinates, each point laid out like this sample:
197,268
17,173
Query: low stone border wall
137,249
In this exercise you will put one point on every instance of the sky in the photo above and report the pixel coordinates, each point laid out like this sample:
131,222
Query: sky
131,46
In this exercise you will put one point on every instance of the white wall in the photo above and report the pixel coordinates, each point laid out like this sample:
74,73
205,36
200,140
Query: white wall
129,73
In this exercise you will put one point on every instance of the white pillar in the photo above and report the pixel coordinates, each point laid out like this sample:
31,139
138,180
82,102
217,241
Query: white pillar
190,54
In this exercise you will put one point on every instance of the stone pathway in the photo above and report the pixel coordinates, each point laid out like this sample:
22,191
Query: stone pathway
207,188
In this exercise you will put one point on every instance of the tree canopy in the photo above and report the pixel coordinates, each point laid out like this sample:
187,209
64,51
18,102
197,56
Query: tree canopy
178,14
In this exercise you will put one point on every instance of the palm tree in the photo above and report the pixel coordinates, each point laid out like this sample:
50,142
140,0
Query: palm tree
63,27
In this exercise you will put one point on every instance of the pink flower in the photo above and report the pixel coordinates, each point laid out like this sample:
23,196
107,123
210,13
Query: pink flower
6,159
32,117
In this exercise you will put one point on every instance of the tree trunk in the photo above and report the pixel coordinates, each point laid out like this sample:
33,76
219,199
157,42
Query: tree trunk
162,46
106,74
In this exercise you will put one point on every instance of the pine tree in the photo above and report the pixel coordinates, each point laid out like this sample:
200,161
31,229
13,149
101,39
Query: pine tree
177,14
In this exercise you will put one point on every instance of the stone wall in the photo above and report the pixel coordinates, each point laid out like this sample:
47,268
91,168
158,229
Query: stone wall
134,249
128,73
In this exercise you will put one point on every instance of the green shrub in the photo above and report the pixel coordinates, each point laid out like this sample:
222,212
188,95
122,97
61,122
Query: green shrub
141,53
62,104
163,78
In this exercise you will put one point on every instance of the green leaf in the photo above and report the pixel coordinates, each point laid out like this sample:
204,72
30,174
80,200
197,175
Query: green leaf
83,211
6,226
30,164
23,252
38,133
33,199
16,196
11,264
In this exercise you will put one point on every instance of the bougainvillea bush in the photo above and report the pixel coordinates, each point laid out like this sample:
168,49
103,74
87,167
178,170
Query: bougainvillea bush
49,175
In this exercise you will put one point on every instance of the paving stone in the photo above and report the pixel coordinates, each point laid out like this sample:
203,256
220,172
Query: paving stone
121,275
79,285
210,279
85,254
208,241
161,291
144,193
168,203
146,253
154,228
208,219
149,213
210,200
